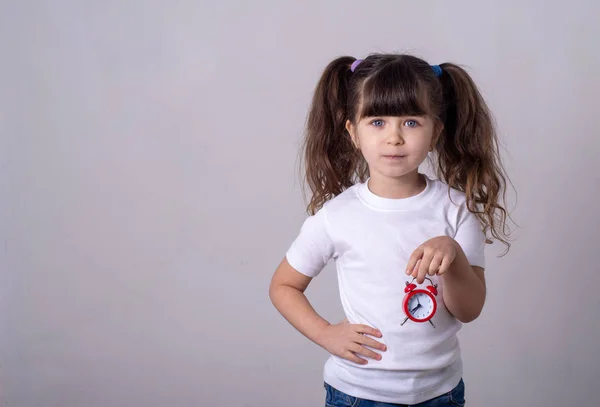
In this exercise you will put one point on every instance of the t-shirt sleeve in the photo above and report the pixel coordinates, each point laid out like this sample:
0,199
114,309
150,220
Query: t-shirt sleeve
312,248
470,236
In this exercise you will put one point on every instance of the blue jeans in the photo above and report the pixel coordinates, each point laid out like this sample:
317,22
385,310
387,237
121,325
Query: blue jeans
335,398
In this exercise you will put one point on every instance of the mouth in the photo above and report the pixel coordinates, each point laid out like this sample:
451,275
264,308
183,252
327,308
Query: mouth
394,156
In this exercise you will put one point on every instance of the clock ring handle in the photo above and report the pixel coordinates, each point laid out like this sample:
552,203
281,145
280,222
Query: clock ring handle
427,278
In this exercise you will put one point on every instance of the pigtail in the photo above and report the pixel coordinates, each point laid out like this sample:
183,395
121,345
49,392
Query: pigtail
330,159
467,151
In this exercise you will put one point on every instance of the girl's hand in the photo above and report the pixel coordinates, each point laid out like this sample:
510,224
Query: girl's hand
348,340
433,257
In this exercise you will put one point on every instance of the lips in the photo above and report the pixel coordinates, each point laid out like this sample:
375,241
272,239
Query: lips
394,156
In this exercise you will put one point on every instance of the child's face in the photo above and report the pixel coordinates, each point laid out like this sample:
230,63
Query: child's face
393,146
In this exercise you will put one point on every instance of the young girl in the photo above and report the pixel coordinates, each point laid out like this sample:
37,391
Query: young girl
409,249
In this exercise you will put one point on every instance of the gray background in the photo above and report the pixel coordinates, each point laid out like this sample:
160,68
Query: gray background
149,188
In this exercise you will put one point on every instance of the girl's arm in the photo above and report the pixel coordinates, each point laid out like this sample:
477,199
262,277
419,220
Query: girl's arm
464,288
464,285
344,339
287,295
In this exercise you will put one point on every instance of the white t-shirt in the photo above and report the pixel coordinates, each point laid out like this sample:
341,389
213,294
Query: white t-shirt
371,239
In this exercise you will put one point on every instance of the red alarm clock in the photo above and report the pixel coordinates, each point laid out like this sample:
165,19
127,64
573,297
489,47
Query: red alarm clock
420,305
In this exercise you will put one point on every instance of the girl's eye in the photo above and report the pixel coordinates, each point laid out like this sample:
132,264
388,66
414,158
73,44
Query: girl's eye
411,123
377,123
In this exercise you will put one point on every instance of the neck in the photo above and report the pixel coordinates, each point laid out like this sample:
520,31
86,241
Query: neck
405,186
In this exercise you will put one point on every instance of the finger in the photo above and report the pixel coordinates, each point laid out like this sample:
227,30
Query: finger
444,266
361,350
365,340
424,267
412,261
364,329
435,264
353,358
415,270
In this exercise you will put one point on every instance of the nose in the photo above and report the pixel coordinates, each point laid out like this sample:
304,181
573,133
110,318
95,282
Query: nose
395,138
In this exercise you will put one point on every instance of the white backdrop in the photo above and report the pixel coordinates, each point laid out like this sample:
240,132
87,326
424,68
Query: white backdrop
149,188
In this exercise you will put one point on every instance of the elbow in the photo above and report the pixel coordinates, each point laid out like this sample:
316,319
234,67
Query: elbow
465,319
469,315
275,292
272,292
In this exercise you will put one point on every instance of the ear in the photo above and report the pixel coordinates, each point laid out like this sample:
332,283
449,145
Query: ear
351,129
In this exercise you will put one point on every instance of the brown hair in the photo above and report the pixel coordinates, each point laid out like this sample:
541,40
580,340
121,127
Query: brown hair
466,153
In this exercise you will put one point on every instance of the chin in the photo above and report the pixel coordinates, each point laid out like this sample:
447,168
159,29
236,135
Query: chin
397,173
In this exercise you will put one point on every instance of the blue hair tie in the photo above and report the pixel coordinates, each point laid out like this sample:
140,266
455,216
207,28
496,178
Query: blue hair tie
437,70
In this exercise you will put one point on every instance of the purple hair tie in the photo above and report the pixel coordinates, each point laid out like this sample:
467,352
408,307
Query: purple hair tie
355,64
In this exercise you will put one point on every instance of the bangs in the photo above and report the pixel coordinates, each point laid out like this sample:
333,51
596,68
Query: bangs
394,91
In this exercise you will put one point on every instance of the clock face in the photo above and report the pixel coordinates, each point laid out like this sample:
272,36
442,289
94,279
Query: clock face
420,306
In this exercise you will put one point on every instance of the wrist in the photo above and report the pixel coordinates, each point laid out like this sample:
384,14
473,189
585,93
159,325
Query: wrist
456,247
321,332
460,265
450,241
